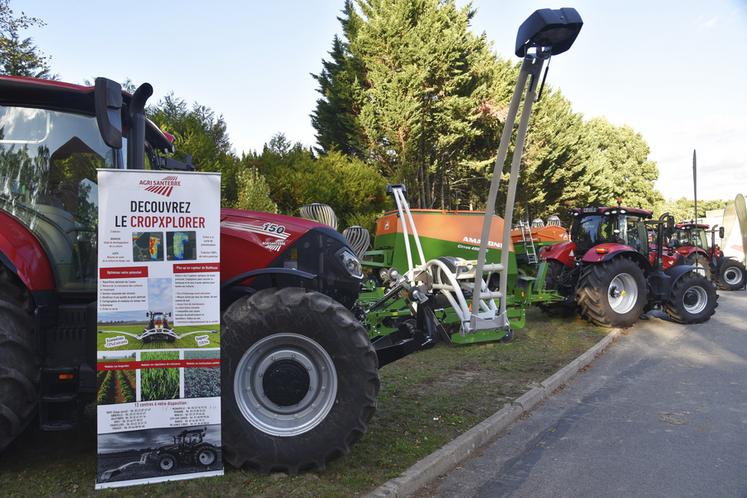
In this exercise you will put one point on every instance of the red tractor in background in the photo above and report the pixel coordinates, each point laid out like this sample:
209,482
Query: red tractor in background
690,240
299,375
610,272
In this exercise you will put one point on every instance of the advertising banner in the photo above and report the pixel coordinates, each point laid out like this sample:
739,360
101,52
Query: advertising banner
158,327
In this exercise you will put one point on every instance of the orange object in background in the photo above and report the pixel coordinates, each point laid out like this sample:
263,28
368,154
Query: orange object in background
545,234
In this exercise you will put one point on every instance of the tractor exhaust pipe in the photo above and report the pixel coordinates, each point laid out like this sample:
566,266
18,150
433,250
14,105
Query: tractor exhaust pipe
136,136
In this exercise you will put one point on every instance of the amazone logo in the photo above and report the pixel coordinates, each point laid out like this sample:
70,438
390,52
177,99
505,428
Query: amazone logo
474,241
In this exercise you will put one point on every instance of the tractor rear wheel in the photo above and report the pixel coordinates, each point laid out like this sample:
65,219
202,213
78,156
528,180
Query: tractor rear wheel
732,275
19,366
300,380
612,293
693,299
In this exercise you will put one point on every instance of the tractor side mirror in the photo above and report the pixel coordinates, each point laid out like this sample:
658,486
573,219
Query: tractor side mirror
107,97
721,232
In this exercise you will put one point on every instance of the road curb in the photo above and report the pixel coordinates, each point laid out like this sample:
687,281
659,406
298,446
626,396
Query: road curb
442,460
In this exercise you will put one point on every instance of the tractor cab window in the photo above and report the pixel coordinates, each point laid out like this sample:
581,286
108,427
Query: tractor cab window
691,237
631,231
588,231
48,163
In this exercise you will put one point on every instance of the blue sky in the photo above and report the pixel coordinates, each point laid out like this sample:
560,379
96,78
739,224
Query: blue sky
672,70
159,294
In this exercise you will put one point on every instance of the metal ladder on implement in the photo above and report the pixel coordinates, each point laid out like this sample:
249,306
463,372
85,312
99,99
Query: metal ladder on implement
529,249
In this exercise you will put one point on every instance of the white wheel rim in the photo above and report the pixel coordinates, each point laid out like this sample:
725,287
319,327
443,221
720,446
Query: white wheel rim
622,293
695,299
311,407
167,463
733,275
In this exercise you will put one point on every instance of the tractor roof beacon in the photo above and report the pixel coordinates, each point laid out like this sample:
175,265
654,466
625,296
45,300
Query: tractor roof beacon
299,374
613,273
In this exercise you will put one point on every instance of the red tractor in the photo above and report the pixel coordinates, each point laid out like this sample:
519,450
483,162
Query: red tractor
300,377
691,241
612,274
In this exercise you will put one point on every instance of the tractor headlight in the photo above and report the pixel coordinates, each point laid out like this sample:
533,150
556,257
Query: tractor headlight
351,263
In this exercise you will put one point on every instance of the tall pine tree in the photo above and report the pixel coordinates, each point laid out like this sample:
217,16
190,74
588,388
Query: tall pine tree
340,84
19,56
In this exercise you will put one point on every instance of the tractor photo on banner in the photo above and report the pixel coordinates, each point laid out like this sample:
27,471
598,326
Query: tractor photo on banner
158,327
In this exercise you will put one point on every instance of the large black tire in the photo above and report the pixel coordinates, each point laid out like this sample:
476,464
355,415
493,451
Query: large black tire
315,320
732,275
596,293
19,365
19,373
701,264
693,299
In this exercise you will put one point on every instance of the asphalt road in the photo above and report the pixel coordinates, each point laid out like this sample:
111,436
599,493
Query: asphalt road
662,413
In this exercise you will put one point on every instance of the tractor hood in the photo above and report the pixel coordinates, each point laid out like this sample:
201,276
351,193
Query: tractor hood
252,240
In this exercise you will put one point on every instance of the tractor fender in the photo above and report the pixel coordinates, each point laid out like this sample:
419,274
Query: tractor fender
563,253
607,251
231,282
676,272
687,251
22,254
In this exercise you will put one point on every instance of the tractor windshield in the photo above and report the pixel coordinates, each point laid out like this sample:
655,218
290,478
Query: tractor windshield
691,237
589,231
48,162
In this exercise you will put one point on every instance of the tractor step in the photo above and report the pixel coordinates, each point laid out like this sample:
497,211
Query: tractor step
59,405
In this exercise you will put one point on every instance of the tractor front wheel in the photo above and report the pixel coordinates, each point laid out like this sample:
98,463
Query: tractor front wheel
206,457
561,279
693,299
166,462
732,275
612,293
301,380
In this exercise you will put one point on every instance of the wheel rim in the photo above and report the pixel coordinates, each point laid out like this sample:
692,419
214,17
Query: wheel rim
733,275
206,457
622,293
285,384
167,463
695,299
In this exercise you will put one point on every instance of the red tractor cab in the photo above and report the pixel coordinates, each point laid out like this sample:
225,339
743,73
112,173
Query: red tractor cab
690,240
611,274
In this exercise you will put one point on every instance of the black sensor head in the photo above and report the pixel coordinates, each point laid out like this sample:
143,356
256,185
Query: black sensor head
555,29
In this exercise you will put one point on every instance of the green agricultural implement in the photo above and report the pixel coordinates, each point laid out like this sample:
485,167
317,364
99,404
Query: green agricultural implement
454,275
448,242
